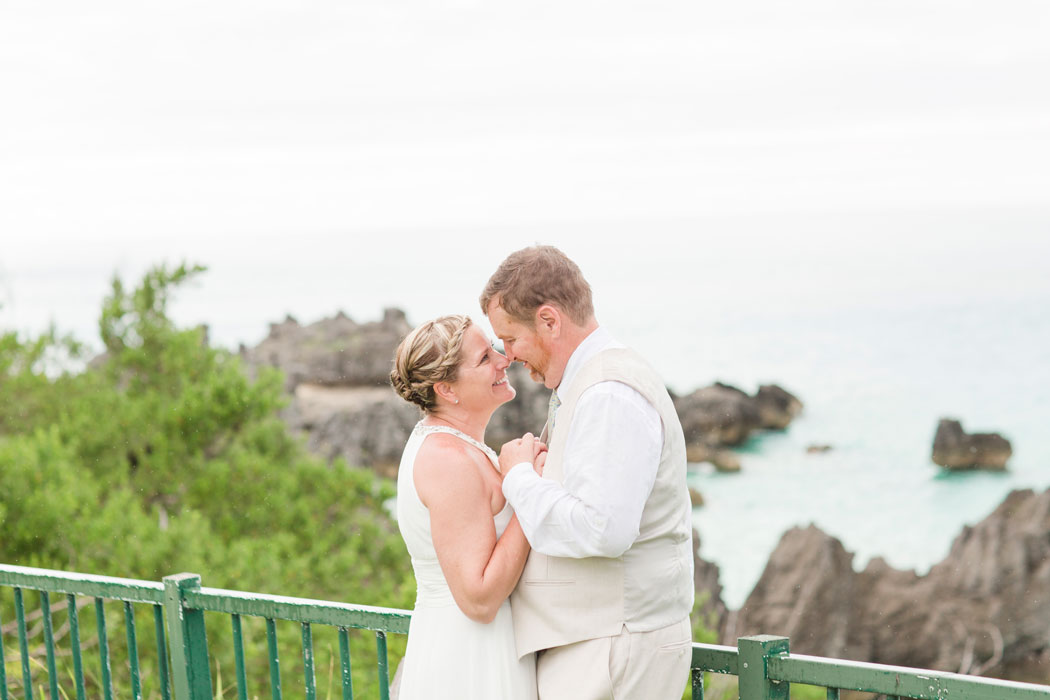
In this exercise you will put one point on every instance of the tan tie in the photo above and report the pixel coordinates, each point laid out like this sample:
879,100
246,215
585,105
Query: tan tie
552,410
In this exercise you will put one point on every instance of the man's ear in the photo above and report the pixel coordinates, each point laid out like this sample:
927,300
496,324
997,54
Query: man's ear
548,320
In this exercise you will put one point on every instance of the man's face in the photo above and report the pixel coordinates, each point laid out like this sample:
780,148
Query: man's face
522,343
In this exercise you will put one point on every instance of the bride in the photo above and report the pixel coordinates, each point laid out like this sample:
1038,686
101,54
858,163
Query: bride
467,547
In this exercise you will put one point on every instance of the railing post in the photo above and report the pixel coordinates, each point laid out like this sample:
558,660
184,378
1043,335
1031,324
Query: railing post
754,682
189,645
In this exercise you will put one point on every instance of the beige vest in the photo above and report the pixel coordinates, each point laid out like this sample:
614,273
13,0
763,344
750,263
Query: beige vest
561,600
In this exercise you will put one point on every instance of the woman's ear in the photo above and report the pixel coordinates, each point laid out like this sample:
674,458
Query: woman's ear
445,391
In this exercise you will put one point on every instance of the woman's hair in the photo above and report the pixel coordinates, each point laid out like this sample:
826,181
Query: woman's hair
428,355
535,276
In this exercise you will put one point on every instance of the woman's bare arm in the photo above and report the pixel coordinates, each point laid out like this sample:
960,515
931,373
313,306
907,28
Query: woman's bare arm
480,569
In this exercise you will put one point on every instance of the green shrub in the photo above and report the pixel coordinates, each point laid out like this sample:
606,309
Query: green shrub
162,456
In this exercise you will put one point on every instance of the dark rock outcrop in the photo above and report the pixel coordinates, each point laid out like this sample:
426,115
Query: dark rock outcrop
805,593
982,610
708,589
334,351
366,426
717,415
776,407
955,449
721,415
337,373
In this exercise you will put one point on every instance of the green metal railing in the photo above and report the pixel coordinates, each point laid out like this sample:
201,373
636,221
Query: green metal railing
763,664
179,604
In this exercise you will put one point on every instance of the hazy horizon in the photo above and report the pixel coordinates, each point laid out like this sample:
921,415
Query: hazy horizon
819,153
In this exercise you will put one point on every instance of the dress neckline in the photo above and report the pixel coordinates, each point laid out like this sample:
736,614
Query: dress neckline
429,429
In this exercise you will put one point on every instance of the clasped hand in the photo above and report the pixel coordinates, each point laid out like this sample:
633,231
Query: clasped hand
524,449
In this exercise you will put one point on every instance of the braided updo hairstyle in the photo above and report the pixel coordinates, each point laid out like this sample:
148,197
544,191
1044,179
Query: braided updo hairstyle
428,355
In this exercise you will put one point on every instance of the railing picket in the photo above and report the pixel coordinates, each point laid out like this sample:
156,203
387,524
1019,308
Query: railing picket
309,678
189,639
49,645
238,656
74,643
103,650
833,694
133,652
698,684
23,644
384,674
162,653
3,664
275,661
755,683
344,662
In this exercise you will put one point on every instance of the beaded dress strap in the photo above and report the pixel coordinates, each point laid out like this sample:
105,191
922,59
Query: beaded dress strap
428,429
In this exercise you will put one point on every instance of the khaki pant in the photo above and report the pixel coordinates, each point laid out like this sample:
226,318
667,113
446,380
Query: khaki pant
630,666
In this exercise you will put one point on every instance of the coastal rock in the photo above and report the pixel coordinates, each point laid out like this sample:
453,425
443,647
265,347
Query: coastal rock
334,351
712,609
982,610
718,415
696,499
805,593
776,407
721,415
337,374
366,426
955,449
723,460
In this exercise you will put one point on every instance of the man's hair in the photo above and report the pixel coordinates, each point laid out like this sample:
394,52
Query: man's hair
532,277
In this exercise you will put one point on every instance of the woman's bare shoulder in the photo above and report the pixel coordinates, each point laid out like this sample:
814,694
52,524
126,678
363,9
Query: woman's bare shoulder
446,458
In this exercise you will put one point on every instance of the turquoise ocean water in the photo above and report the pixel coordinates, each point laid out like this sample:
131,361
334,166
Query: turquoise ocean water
874,386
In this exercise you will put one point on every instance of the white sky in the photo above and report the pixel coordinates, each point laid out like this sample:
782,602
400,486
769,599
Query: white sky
298,146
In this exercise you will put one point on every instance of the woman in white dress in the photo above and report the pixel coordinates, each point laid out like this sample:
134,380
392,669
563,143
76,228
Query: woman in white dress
467,547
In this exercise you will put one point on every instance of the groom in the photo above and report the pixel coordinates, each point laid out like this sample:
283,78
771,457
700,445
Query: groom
607,591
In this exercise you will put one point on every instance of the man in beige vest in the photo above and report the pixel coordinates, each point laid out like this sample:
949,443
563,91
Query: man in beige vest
606,593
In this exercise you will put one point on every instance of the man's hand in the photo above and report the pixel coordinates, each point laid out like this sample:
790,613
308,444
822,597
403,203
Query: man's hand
517,451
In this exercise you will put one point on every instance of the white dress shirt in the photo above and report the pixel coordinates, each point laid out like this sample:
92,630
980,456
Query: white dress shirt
610,464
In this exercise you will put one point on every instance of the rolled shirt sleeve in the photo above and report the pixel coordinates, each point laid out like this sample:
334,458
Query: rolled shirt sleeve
609,466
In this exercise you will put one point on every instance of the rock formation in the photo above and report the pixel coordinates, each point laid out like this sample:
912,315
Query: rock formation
983,609
955,449
335,352
336,371
721,415
708,588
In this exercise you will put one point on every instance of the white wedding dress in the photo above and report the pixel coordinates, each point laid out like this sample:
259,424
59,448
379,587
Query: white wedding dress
449,656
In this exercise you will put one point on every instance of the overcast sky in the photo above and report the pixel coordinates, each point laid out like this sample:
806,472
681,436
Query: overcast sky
428,136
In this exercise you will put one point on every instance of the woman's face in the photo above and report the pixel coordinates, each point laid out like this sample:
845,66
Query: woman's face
481,383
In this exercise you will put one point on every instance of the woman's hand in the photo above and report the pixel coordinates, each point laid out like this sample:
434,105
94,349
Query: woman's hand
515,452
541,459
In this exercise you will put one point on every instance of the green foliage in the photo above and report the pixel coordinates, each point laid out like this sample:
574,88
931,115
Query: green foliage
162,455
